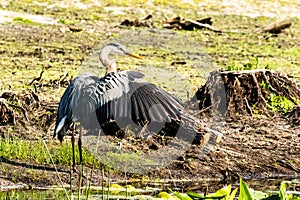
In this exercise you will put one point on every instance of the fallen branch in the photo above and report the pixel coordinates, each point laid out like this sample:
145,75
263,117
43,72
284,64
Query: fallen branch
207,26
21,108
188,24
146,22
37,79
275,27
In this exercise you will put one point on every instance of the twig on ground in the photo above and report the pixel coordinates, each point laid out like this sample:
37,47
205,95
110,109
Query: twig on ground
37,79
21,108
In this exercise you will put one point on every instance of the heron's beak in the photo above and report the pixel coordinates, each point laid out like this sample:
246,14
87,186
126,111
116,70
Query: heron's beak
133,55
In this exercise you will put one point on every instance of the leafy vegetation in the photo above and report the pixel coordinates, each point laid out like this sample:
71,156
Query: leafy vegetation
245,193
278,103
66,21
247,66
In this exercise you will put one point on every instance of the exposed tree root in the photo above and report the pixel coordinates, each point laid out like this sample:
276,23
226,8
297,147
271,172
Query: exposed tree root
7,115
294,116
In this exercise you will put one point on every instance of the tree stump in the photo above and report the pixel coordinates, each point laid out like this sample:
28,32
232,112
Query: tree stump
245,91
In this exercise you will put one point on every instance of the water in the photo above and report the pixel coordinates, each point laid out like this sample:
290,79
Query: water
149,189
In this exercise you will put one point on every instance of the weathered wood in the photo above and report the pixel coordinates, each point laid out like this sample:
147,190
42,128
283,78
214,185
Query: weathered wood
145,22
180,23
275,27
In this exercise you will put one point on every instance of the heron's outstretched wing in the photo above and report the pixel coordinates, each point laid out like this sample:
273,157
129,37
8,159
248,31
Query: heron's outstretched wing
123,97
126,96
77,104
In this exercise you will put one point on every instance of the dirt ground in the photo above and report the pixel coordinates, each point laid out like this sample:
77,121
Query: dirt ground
257,147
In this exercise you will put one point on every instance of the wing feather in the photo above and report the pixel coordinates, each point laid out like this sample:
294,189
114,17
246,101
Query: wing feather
75,103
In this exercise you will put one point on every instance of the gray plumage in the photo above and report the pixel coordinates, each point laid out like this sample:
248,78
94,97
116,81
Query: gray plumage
123,97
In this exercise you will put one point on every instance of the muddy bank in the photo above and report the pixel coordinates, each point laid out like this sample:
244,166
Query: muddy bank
252,146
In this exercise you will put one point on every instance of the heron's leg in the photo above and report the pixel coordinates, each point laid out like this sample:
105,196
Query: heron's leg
73,148
143,130
80,152
80,157
80,147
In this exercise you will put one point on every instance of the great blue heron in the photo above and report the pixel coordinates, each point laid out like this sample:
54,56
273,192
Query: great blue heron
123,97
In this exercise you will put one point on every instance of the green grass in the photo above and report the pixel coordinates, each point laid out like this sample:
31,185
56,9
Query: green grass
243,49
32,194
66,21
19,149
278,103
23,61
251,65
25,21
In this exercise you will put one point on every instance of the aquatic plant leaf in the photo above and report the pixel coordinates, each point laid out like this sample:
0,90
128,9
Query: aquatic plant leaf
282,191
164,195
130,188
220,194
116,188
272,197
194,195
182,197
258,194
232,195
245,193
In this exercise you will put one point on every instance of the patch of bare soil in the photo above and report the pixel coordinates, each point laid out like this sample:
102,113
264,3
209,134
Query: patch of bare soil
255,148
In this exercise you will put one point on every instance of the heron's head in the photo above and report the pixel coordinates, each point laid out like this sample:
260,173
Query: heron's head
113,48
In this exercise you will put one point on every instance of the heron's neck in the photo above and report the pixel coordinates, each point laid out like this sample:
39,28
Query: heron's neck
112,67
109,64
